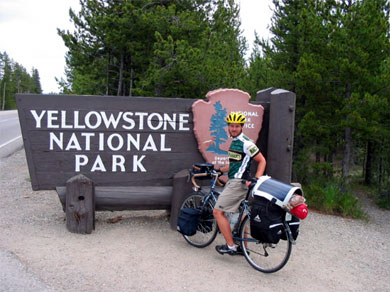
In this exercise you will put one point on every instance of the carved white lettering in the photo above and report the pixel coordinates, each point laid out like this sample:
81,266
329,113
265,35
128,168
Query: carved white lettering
149,144
88,119
159,120
51,117
119,142
88,140
137,163
98,165
58,140
162,145
118,161
128,120
132,141
63,121
80,160
76,120
38,118
73,143
111,120
183,119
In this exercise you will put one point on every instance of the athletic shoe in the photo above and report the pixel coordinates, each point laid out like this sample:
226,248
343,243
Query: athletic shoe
239,251
222,249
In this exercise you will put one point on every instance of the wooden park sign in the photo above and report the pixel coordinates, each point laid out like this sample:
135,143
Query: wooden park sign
131,148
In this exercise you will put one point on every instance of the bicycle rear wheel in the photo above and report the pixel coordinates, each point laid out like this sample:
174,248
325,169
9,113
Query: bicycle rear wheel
207,226
264,257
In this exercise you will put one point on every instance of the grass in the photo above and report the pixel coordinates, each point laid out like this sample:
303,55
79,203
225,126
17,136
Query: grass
381,198
331,198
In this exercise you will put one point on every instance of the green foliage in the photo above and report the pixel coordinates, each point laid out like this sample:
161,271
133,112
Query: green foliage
14,78
383,200
329,197
334,56
167,49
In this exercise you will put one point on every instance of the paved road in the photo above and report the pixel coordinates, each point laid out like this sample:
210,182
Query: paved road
15,277
14,274
10,134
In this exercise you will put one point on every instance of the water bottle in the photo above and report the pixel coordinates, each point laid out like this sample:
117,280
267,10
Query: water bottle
232,217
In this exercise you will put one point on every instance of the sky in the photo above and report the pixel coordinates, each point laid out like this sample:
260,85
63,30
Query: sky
28,32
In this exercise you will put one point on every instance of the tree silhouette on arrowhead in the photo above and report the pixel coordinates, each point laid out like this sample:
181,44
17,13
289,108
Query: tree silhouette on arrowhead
217,129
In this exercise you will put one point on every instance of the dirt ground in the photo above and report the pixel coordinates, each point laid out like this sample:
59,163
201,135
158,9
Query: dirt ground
142,253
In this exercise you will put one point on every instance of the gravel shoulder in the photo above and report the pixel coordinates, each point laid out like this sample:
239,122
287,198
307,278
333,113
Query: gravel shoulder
142,253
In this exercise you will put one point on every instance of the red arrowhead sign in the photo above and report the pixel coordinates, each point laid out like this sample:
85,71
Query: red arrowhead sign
210,125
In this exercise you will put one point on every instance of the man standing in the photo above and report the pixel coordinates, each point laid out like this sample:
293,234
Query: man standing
241,152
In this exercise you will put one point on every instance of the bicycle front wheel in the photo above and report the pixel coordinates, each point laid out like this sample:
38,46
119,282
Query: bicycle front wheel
207,229
264,257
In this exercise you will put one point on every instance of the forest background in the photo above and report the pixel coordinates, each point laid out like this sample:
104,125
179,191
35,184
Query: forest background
333,54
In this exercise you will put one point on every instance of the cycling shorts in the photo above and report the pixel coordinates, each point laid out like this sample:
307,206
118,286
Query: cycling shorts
232,195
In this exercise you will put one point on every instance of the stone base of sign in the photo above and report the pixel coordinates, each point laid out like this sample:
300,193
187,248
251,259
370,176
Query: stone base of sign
181,190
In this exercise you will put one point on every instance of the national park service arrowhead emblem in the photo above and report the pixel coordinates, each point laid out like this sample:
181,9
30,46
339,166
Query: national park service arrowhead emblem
210,127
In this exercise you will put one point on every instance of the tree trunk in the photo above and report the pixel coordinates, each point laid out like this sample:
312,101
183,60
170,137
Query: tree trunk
368,166
347,158
107,76
347,154
120,81
3,104
131,82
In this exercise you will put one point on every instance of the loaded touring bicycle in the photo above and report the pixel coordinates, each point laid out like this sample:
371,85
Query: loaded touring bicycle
266,224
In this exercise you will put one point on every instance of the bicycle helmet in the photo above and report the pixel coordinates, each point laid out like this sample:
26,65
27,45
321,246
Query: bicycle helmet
300,211
235,118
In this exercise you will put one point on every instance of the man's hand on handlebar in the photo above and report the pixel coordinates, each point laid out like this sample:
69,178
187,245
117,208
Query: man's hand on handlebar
251,182
219,172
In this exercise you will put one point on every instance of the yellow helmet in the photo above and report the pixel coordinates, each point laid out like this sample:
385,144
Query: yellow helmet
235,118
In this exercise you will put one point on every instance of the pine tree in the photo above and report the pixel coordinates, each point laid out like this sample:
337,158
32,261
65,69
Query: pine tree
36,82
15,79
334,56
217,129
168,48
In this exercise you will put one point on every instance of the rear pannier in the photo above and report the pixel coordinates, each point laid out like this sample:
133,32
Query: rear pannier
266,220
293,222
271,200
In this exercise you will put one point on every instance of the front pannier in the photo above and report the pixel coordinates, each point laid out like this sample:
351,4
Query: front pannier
188,221
266,220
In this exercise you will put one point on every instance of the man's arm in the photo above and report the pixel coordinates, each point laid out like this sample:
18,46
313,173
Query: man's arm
259,158
225,168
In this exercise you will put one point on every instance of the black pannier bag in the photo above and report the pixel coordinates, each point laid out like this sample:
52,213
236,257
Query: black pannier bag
293,223
187,221
266,220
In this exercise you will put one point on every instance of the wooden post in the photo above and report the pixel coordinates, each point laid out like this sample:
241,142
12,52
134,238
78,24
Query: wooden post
80,205
280,132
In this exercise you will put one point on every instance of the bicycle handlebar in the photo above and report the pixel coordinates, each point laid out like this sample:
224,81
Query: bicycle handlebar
194,176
